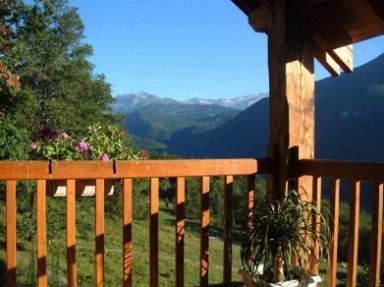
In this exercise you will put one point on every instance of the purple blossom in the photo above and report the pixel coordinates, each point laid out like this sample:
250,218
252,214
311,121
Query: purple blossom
105,157
33,146
82,146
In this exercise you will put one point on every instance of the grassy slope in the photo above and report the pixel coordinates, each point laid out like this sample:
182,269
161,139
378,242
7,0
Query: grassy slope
56,258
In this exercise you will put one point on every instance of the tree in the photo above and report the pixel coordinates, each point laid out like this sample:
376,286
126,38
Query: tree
59,89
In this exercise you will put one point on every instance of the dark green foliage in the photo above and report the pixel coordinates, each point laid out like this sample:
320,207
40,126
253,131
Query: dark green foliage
58,88
14,142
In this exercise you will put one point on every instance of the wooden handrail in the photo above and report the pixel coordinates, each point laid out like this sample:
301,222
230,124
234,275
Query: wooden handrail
17,170
369,171
71,172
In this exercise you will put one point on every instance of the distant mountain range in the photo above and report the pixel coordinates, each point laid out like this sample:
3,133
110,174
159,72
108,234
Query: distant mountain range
134,101
349,120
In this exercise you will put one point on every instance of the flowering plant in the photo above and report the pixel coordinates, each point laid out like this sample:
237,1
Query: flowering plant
100,143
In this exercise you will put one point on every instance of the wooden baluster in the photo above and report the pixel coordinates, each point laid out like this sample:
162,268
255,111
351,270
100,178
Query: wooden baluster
127,233
204,232
180,231
41,217
154,232
71,233
353,233
377,226
316,196
11,232
250,201
334,228
228,213
99,233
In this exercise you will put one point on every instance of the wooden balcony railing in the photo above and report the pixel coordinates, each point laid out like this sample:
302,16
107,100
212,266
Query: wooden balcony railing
355,173
72,172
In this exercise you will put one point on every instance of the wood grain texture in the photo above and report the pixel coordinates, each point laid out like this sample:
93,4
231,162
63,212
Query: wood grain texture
127,233
228,219
334,228
11,232
154,233
71,233
180,230
131,169
316,189
204,232
41,218
377,234
353,233
99,233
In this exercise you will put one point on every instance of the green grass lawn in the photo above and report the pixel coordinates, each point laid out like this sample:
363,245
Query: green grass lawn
56,257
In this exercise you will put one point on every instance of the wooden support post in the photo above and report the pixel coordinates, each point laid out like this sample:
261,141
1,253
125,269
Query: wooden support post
291,80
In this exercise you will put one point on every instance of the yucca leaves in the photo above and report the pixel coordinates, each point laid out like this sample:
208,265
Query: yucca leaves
286,229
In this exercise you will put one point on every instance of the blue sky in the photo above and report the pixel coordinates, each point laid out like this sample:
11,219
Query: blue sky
183,48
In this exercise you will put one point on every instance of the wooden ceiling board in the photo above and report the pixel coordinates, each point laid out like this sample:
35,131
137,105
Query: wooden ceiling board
339,22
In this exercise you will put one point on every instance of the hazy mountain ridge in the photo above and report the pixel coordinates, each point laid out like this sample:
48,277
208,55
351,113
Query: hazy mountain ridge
129,102
349,122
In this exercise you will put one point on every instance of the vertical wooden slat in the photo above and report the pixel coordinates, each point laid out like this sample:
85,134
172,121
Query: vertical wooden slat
228,212
99,233
316,193
334,227
204,232
377,226
41,234
250,200
127,233
353,234
180,231
154,232
71,233
11,232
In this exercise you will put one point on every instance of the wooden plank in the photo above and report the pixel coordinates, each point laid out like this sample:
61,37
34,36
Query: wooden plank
131,169
41,218
11,233
99,233
377,234
228,219
258,19
71,233
291,81
127,233
154,233
353,233
368,171
180,230
316,189
204,232
328,62
334,228
343,56
250,200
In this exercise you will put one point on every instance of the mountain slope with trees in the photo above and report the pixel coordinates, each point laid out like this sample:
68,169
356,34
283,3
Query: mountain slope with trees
349,122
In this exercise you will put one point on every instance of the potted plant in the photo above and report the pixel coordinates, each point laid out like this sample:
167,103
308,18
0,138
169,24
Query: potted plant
100,143
277,247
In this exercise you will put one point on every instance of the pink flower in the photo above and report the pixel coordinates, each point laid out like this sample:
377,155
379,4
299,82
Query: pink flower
33,146
64,135
105,157
82,146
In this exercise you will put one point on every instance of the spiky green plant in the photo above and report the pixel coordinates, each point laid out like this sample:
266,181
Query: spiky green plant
280,237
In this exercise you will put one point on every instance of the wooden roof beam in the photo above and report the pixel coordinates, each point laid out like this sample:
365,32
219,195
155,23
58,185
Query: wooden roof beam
373,15
258,19
343,56
328,62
